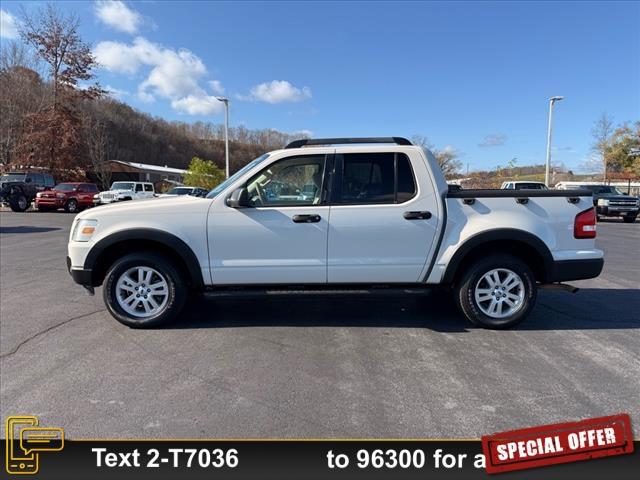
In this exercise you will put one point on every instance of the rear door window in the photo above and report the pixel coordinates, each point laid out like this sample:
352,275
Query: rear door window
375,178
148,188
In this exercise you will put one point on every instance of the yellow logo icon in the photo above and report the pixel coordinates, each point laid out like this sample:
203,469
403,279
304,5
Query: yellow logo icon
25,440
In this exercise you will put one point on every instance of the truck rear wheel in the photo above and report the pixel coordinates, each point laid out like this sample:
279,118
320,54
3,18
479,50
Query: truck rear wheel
144,290
496,292
18,202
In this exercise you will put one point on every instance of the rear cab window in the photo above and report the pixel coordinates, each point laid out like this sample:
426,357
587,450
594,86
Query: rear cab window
373,178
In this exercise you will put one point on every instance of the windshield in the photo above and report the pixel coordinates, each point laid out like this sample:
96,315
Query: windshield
237,175
530,186
180,191
13,177
603,189
122,186
65,187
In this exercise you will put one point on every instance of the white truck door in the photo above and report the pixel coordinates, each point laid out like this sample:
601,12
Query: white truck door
383,218
282,237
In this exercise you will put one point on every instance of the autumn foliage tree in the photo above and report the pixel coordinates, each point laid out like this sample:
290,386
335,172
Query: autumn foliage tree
52,135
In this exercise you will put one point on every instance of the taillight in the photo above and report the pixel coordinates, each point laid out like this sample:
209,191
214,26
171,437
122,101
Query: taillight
584,225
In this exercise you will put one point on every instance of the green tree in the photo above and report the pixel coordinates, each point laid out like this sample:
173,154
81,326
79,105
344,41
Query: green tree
203,173
622,148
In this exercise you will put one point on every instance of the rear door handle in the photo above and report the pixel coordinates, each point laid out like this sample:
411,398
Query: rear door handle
306,218
417,215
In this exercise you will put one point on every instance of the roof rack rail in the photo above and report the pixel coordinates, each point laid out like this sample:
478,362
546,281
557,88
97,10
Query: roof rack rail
347,141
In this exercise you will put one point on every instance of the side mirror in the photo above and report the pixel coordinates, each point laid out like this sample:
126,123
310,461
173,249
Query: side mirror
238,199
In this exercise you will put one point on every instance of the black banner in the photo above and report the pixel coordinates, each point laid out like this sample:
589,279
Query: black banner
296,459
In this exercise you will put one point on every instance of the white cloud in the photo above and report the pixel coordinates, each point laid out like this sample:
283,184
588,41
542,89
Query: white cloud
172,74
216,87
117,15
116,93
198,104
117,57
8,25
494,140
277,91
303,133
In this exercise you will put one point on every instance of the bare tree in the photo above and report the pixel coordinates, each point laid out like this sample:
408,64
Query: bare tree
21,92
52,135
97,142
447,158
601,132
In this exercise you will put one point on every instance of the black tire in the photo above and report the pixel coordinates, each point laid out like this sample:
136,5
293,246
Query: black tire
629,218
177,290
71,206
19,202
466,289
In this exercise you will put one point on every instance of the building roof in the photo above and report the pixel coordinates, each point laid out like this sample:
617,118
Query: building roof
152,168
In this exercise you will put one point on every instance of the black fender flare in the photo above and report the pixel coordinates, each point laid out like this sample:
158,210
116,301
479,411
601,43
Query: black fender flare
500,234
169,240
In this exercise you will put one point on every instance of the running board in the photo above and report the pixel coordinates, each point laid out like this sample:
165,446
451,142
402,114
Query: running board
276,290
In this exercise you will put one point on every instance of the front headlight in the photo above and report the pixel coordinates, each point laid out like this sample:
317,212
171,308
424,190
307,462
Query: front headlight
84,230
603,202
39,195
60,195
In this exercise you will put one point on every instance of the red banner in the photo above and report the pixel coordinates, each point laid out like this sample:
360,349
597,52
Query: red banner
558,443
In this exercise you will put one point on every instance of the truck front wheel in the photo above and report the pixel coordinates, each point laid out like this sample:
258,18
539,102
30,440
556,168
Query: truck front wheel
496,292
18,202
143,290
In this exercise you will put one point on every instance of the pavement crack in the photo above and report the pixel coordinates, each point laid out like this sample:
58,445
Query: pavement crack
47,330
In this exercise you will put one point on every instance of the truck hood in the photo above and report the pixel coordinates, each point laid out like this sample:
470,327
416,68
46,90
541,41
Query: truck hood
150,206
615,197
116,192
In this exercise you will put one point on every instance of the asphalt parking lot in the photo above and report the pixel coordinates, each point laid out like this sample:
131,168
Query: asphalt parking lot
310,366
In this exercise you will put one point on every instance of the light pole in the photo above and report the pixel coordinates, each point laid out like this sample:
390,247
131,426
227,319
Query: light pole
552,101
226,133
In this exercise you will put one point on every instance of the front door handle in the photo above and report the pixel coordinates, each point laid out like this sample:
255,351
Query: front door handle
306,218
417,215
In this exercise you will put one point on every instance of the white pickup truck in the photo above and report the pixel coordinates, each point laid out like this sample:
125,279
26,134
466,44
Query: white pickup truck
337,213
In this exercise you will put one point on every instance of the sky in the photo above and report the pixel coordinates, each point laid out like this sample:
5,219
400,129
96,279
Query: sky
474,77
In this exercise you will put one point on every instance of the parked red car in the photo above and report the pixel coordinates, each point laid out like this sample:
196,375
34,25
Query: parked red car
71,196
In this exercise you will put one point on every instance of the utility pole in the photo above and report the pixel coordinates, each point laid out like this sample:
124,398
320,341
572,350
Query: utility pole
552,101
226,133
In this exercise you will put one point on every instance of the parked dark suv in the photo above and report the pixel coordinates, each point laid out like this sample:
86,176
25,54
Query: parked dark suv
611,202
19,189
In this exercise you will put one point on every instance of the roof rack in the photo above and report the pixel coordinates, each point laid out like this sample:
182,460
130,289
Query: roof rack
347,141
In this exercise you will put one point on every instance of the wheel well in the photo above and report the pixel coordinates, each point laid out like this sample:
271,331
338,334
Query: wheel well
119,249
521,250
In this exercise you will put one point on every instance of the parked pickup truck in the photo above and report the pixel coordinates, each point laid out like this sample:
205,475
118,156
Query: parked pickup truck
337,213
611,202
72,196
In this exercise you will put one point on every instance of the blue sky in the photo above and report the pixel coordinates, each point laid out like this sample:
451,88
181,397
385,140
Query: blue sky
475,77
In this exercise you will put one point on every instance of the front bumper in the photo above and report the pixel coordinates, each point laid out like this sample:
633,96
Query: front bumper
49,202
565,270
82,276
609,211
